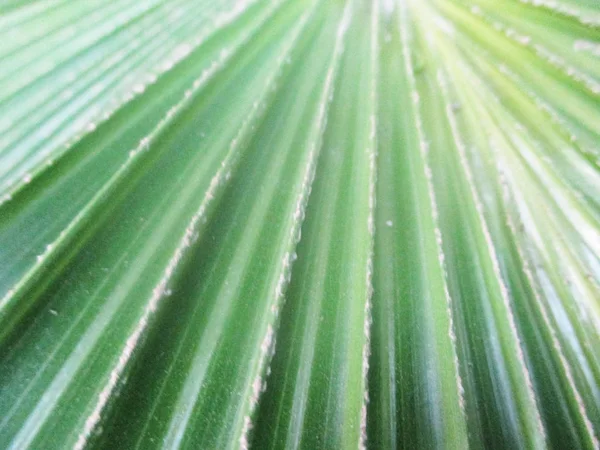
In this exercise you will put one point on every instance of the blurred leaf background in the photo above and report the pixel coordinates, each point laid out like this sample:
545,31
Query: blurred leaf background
300,224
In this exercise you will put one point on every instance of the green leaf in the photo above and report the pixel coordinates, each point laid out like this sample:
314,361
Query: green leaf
300,224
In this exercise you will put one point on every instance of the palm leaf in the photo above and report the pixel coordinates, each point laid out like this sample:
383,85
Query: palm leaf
300,224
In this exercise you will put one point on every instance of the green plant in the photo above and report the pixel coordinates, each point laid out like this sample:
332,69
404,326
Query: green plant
299,224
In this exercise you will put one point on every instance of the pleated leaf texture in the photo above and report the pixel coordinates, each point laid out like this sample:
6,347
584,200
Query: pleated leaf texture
301,224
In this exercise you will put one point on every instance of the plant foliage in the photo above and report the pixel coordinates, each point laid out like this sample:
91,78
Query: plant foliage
299,224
